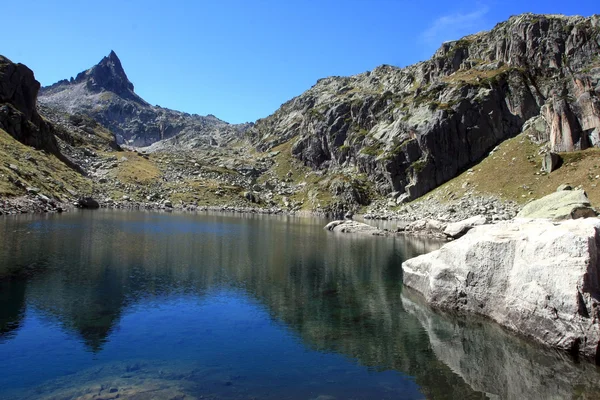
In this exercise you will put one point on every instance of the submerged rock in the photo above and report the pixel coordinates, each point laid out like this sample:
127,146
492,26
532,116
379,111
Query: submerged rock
564,204
536,277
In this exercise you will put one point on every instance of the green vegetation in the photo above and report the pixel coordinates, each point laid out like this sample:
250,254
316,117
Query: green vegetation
35,168
461,44
418,165
373,150
316,114
398,147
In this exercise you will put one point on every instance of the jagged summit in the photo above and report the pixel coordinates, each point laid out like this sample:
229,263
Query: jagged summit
109,75
105,93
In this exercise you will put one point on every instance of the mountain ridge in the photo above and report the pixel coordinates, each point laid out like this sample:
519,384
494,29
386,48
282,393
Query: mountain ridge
105,93
411,129
391,133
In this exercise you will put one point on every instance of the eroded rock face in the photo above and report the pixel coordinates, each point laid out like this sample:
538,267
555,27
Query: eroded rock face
563,204
412,129
105,93
536,277
18,113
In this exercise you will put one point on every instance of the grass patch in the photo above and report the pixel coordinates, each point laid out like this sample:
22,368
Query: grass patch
136,169
476,77
513,173
35,169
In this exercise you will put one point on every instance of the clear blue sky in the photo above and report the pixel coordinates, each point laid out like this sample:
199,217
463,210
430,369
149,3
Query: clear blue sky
240,60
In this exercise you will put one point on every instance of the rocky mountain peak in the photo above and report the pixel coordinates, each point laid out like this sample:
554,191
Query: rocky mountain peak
104,93
108,75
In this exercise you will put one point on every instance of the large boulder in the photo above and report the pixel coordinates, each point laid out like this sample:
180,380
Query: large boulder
88,202
551,161
537,277
458,229
350,226
564,204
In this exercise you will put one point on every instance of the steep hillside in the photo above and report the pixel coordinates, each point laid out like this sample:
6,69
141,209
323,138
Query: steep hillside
411,129
104,93
18,113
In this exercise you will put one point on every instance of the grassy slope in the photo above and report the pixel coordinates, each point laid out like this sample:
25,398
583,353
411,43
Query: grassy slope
316,191
513,173
36,169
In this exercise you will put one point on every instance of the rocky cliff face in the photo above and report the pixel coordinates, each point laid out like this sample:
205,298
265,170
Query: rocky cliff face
415,128
18,112
104,93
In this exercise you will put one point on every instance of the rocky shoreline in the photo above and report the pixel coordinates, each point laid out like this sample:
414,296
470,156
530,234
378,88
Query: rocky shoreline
428,209
536,277
492,208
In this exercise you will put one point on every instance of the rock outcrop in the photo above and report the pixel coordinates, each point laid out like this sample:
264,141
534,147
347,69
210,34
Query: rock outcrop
349,226
563,204
104,93
411,129
18,113
460,228
88,202
536,277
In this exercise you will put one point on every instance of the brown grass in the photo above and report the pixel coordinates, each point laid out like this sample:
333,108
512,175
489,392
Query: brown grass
136,169
513,173
36,169
473,76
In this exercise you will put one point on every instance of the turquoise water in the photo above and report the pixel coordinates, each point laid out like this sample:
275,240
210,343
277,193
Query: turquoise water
172,306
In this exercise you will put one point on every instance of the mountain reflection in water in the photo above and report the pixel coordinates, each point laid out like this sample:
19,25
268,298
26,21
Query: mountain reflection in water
229,307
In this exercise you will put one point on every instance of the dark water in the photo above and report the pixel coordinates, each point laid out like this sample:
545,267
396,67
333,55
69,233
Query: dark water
144,305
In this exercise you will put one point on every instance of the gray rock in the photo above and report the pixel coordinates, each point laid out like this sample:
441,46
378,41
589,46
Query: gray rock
412,129
566,204
458,229
493,361
249,196
536,277
43,198
550,162
564,186
88,202
133,120
350,226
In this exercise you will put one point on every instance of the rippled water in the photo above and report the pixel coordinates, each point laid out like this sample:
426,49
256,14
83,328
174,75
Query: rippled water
146,305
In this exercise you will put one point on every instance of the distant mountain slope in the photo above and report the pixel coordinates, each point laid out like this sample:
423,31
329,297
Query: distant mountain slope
105,93
412,129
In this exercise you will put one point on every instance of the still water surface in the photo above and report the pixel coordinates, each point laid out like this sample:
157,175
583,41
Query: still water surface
139,305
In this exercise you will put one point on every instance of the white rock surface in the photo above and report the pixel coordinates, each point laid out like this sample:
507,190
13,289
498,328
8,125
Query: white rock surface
458,229
536,277
564,204
349,226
